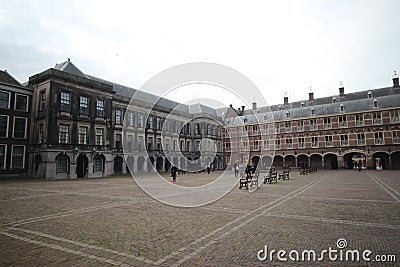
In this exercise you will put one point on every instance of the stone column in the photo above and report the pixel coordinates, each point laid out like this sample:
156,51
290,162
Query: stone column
340,162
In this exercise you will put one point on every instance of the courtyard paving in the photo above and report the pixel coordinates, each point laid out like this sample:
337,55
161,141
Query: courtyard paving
112,222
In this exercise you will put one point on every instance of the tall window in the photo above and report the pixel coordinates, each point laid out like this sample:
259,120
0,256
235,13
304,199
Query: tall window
327,123
379,138
277,144
83,131
4,99
197,129
276,127
301,142
62,163
344,140
158,123
313,124
84,105
141,123
42,100
359,119
65,101
3,126
255,145
361,139
208,129
265,144
396,137
118,115
98,164
394,116
18,157
289,143
99,108
150,122
19,127
21,102
314,141
377,118
300,126
288,126
188,129
2,157
329,140
99,136
40,133
118,141
130,118
63,134
342,121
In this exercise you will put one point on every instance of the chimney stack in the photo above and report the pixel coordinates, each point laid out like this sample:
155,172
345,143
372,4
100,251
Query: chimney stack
341,89
230,105
242,108
310,96
254,107
286,100
395,80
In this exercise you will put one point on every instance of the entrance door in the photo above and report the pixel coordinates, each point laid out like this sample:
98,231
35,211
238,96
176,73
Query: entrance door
118,162
81,166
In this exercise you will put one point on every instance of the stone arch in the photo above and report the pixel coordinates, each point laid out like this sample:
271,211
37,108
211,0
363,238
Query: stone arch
302,161
266,162
384,156
330,161
159,164
278,161
62,163
167,165
316,161
395,159
140,164
150,165
350,157
118,164
82,166
290,161
99,162
130,163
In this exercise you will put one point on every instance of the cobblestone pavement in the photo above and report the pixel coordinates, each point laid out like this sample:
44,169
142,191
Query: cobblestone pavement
111,222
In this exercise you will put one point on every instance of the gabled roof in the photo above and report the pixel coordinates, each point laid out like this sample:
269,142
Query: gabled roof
6,78
68,66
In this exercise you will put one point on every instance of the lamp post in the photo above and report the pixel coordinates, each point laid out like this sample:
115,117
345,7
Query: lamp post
94,151
75,151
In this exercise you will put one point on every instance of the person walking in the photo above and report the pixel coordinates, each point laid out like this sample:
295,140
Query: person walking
174,171
236,169
359,165
208,169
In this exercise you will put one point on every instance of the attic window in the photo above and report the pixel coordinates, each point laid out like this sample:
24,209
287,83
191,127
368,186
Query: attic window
245,120
375,103
369,94
334,100
265,117
341,107
280,107
312,111
302,104
287,114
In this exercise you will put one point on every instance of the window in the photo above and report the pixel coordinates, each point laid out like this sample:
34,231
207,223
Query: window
63,134
255,144
197,129
245,146
379,138
361,139
188,145
227,146
42,100
377,118
359,119
394,116
140,120
167,144
19,127
396,137
341,107
313,125
314,141
4,99
3,126
276,127
118,141
149,143
344,140
289,143
301,142
83,135
3,152
62,163
312,111
98,164
40,133
130,118
208,129
158,123
99,136
99,108
288,127
328,140
287,114
277,144
130,141
84,105
18,157
118,114
176,145
150,122
182,145
65,101
140,142
327,123
300,126
342,121
21,102
265,144
375,103
213,130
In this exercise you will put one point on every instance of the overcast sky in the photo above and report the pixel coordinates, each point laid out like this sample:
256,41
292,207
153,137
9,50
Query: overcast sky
282,46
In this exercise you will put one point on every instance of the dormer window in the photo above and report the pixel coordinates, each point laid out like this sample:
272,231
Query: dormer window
375,103
287,114
334,99
369,94
280,107
312,111
341,107
302,104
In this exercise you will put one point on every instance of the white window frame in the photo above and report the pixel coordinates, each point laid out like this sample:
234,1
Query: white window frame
26,123
68,133
9,97
86,135
5,157
23,159
8,125
15,102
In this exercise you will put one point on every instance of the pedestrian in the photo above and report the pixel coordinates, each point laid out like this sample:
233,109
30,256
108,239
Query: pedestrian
208,169
174,171
359,165
235,169
248,171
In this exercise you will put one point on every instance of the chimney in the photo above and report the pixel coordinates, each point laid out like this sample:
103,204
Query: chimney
341,89
242,108
310,96
254,106
395,80
286,100
230,105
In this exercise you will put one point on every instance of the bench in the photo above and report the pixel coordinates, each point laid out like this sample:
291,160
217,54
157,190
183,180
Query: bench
284,175
244,181
270,177
303,171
